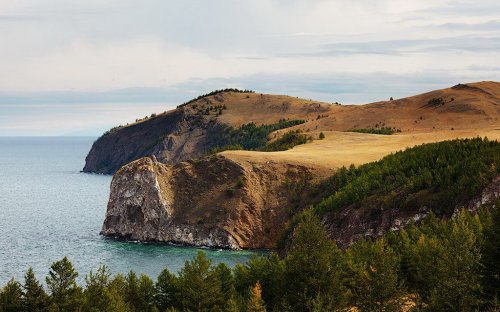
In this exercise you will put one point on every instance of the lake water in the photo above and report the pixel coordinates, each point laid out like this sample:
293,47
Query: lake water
48,210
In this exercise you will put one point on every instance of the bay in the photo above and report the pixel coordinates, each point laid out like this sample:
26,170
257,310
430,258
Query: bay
49,209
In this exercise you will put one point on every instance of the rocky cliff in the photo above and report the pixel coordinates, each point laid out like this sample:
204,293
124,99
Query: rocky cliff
172,137
352,223
246,199
190,131
213,201
219,202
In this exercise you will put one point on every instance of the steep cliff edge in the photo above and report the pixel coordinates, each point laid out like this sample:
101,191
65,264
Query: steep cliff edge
351,223
190,131
213,201
246,199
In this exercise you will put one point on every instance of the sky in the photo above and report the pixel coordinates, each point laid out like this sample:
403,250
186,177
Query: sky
80,67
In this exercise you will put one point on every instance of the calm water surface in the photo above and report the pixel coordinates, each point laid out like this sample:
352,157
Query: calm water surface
48,210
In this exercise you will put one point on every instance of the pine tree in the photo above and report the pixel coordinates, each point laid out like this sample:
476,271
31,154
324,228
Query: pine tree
97,295
458,285
35,297
11,297
313,266
256,304
66,295
118,290
147,294
423,274
225,277
374,282
491,255
133,293
200,289
166,291
232,305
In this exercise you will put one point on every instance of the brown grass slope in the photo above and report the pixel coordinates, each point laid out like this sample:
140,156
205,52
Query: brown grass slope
245,199
186,133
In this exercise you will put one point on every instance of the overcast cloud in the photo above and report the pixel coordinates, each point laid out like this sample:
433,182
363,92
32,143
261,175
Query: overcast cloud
80,67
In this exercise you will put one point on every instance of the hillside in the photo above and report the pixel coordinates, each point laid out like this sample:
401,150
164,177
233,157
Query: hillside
191,130
219,201
247,198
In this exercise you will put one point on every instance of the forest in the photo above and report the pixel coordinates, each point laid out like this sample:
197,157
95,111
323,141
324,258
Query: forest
253,137
439,176
450,261
438,265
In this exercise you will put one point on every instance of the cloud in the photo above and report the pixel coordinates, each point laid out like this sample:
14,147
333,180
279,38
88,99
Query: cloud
399,47
67,53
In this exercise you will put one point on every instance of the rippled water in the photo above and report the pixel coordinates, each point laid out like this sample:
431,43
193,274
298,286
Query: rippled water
48,209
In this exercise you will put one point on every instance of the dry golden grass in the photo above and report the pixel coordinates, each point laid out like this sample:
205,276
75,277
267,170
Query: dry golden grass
346,148
470,110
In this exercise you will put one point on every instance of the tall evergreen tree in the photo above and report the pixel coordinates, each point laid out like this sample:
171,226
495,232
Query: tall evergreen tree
491,255
35,297
96,294
118,290
458,287
313,266
226,279
374,276
166,291
200,289
269,271
11,297
66,295
147,294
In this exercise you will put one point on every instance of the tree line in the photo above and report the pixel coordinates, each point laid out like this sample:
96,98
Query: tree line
439,265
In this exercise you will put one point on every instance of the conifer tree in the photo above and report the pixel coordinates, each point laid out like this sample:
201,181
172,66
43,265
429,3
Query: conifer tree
66,295
458,286
140,293
147,294
256,304
166,291
313,266
35,297
97,295
374,282
200,289
118,290
491,255
232,305
11,297
225,276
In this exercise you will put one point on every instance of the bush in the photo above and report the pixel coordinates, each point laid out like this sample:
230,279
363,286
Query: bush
383,130
434,102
